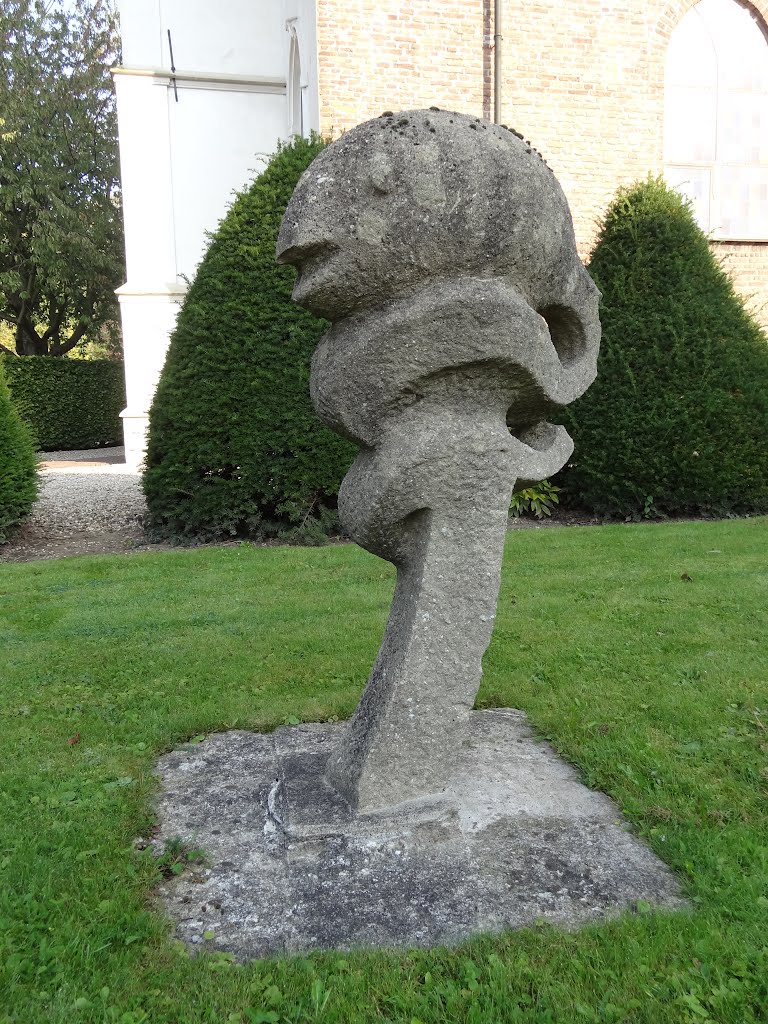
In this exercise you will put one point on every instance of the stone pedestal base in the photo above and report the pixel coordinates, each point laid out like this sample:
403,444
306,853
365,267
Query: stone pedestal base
514,840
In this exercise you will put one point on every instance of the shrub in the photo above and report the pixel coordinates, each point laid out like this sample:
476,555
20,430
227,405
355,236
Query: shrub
539,499
68,403
677,419
234,445
18,465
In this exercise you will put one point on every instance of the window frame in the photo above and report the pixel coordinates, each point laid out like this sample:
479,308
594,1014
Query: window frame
674,169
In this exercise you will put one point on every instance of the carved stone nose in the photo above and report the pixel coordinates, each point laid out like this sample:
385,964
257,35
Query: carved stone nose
295,251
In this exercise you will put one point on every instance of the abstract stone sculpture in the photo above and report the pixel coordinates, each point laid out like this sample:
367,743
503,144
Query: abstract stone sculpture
441,248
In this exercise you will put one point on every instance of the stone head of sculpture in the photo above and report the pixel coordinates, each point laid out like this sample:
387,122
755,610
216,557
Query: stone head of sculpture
409,197
441,248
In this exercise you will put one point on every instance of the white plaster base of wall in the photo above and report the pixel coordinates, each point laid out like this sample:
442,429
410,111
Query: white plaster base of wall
148,318
135,427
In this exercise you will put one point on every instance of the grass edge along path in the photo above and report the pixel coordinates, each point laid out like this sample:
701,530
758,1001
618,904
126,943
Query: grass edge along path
640,651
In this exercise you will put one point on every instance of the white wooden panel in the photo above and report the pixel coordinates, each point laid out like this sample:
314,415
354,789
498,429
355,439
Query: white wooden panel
219,142
237,37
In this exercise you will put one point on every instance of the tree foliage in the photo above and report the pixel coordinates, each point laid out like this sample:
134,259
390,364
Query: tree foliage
234,444
677,419
61,247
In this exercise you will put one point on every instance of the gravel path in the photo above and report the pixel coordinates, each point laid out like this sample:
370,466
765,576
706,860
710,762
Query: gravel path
90,491
90,502
107,456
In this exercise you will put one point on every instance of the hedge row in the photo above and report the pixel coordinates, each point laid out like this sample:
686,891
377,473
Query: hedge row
18,465
68,403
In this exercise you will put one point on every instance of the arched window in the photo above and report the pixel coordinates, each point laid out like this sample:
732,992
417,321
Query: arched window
295,93
716,118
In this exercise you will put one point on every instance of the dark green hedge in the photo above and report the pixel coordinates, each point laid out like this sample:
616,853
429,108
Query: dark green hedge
68,404
18,463
677,420
234,445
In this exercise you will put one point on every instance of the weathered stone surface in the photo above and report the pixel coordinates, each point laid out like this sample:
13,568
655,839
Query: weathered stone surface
442,250
290,868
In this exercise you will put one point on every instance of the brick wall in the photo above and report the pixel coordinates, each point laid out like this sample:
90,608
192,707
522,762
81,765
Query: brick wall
747,264
376,55
582,79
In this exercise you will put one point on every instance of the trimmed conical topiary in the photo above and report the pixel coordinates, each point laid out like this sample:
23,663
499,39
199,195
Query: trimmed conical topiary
234,446
677,420
18,463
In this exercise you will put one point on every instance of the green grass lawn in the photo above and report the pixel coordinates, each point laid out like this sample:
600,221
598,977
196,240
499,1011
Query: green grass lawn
640,651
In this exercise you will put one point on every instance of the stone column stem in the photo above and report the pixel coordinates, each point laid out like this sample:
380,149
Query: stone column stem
404,738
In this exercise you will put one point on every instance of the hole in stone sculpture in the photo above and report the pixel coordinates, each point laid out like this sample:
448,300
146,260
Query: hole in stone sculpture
566,332
540,436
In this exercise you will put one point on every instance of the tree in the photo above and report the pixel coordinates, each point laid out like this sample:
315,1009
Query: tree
677,419
234,444
61,245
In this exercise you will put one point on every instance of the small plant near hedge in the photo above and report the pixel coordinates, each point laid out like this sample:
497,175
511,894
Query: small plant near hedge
538,500
18,463
677,419
234,445
69,404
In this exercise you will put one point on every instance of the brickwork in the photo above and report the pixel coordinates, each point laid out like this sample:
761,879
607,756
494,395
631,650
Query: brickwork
583,79
376,55
747,264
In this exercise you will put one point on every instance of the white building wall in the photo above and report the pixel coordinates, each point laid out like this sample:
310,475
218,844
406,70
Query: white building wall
189,139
